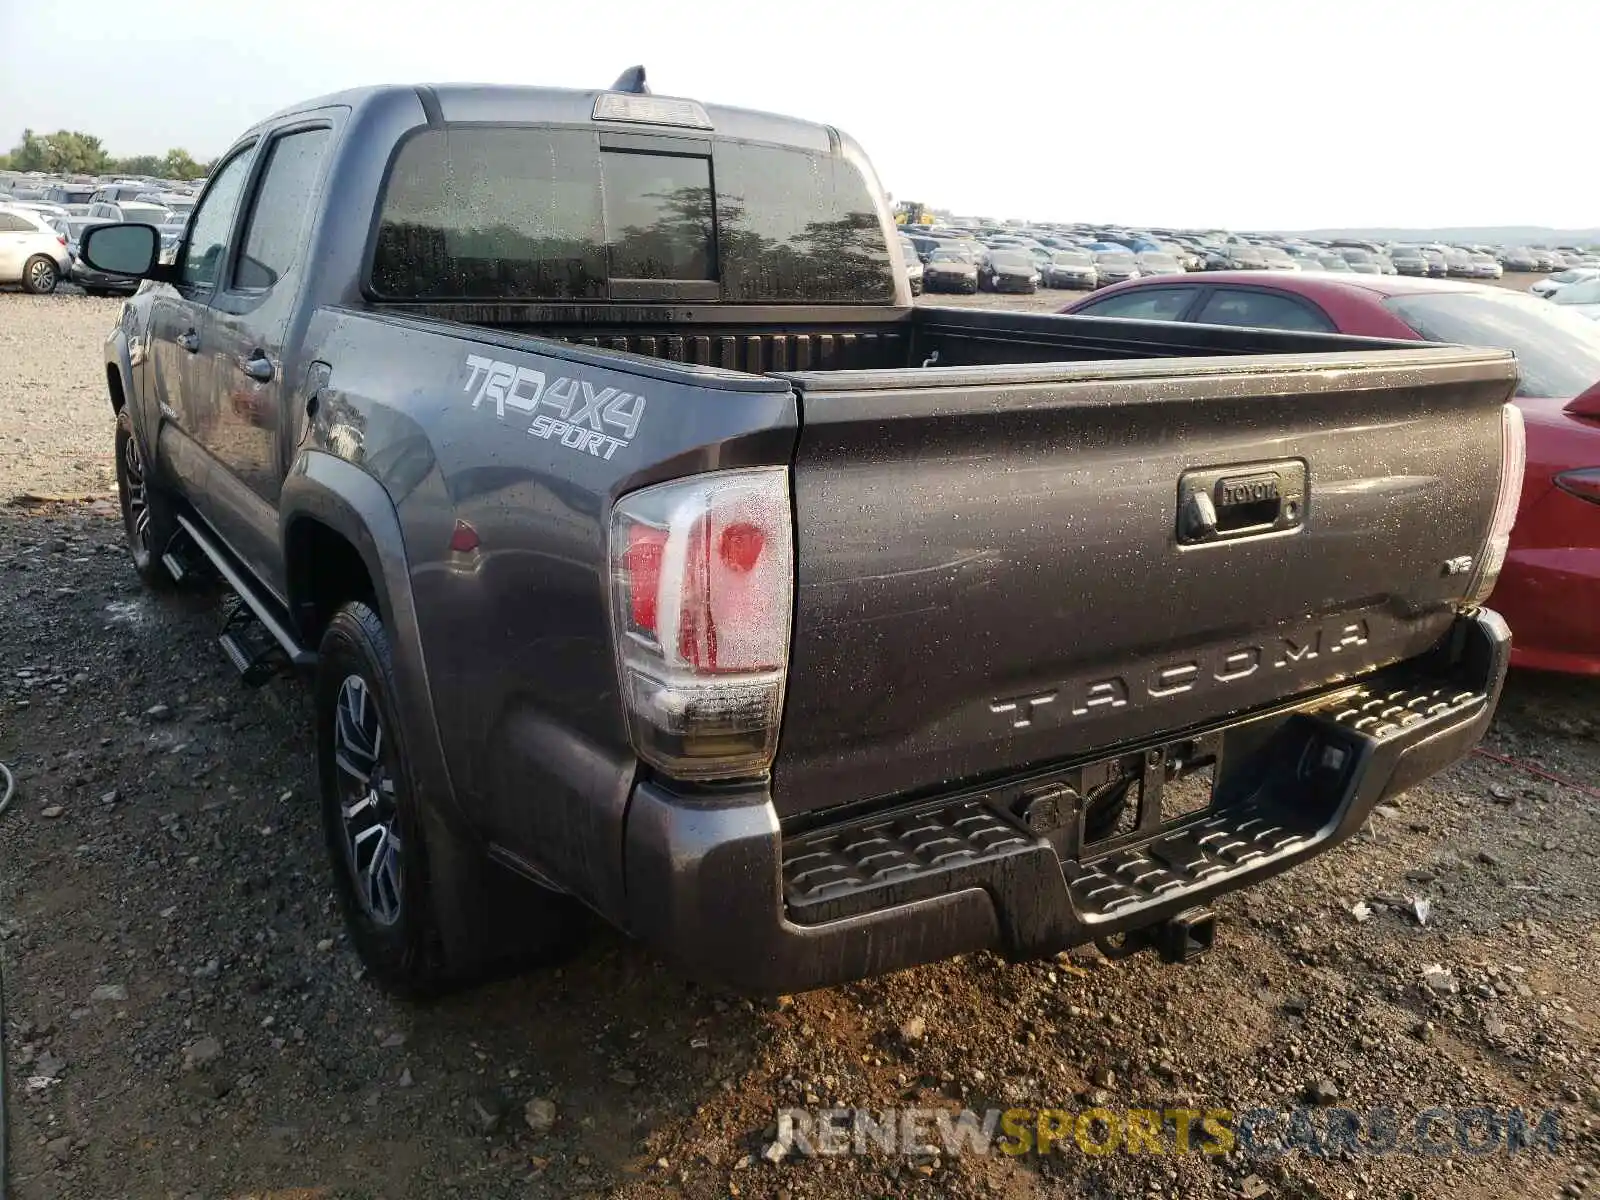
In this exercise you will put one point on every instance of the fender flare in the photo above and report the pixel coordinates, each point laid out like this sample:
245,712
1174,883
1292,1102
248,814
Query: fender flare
463,884
120,359
324,488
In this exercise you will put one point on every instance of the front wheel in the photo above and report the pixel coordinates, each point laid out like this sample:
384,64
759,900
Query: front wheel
148,519
40,275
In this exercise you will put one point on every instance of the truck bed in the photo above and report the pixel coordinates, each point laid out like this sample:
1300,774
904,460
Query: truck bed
773,339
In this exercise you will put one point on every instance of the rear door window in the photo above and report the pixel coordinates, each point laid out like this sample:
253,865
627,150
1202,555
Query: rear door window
283,204
1262,310
1143,304
502,212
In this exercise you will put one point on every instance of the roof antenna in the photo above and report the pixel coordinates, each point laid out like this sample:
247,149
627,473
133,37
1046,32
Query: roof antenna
632,80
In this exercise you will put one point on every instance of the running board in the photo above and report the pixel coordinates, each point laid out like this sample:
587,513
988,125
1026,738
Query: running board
263,608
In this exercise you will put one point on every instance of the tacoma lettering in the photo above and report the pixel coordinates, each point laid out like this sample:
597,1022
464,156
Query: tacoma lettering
1209,669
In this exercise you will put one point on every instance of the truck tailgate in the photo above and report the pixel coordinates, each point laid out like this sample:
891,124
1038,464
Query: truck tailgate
1005,566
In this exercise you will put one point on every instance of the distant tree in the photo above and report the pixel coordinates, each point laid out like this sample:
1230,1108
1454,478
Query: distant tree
139,164
179,165
65,151
68,152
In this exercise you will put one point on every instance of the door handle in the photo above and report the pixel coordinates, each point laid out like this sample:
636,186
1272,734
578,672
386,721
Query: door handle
258,366
189,341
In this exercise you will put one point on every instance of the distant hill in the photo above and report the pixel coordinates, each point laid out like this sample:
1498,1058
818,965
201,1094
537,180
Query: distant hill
1495,235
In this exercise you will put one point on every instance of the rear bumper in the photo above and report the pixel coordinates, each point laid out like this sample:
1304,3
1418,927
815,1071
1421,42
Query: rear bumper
720,888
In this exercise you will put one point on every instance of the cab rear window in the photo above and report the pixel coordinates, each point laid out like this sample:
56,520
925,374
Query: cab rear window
516,213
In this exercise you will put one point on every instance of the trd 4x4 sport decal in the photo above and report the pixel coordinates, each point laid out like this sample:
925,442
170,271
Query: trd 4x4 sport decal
580,416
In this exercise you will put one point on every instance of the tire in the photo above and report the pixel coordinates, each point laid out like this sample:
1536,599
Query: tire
148,515
377,835
40,275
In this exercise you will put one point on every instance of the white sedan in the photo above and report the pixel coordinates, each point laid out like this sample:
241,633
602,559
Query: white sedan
31,253
1551,284
1582,298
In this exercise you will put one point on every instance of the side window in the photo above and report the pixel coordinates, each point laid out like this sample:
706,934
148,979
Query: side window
1143,304
282,207
10,224
1262,310
208,232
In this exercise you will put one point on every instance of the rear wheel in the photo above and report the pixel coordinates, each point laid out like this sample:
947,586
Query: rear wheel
148,519
388,886
40,275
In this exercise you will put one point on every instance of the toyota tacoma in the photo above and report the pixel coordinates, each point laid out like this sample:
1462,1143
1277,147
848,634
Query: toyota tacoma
650,554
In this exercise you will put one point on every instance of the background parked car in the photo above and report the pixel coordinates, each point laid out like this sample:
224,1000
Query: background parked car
1241,257
1552,571
1582,298
951,268
1158,262
1008,269
31,252
1409,260
913,264
69,193
116,193
1362,262
1551,284
1278,259
129,211
1115,266
1484,266
1071,269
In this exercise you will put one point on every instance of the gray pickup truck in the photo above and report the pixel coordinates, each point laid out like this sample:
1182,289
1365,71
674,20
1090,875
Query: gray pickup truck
652,555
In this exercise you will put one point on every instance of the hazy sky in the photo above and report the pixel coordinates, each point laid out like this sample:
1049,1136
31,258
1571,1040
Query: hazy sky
1270,114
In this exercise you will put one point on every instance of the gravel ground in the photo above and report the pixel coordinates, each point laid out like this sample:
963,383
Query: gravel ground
186,1018
53,407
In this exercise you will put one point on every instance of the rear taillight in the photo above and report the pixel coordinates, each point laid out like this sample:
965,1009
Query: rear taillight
702,585
1513,458
1583,483
61,239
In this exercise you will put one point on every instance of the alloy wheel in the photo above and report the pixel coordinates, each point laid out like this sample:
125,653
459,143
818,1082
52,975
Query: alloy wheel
138,494
367,801
42,276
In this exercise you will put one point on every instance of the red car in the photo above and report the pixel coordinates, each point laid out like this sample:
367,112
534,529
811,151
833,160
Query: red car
1549,590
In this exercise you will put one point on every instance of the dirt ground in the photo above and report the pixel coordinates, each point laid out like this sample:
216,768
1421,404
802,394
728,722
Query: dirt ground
185,1018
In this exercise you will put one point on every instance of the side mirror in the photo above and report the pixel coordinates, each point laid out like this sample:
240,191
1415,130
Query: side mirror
121,249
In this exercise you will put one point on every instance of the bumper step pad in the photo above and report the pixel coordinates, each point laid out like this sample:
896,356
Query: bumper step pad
906,856
1126,880
1381,712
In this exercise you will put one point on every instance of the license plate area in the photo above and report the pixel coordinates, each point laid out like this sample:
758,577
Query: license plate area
1102,806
